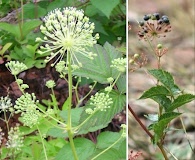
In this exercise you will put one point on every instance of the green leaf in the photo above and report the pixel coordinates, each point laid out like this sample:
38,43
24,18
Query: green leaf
75,118
65,105
40,63
5,48
169,115
99,28
99,68
29,26
121,83
36,150
32,11
161,125
90,11
155,91
75,115
111,154
56,4
181,100
105,7
26,28
105,139
100,119
29,50
166,79
84,149
11,28
163,101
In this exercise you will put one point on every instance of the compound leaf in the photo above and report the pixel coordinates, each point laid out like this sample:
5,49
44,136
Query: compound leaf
155,91
161,125
99,68
163,101
166,79
181,100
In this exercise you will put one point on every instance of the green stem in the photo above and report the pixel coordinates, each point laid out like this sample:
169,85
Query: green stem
116,80
76,91
44,149
69,124
6,120
19,23
19,85
63,124
184,129
22,12
87,94
79,126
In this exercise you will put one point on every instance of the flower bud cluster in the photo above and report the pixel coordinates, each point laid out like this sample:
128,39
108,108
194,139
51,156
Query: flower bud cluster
5,104
160,50
15,67
67,31
1,135
119,64
101,101
26,105
62,68
124,128
137,61
15,138
50,84
154,26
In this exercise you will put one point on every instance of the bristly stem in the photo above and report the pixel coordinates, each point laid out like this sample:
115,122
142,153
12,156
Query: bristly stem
160,146
69,124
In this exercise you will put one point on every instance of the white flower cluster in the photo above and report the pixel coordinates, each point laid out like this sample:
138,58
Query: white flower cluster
15,138
26,105
15,67
5,103
67,31
119,64
101,101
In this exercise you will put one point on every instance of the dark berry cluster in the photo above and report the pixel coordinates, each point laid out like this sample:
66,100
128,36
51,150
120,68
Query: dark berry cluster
154,26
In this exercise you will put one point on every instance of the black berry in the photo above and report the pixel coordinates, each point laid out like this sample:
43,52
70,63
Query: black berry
165,20
157,16
146,17
141,23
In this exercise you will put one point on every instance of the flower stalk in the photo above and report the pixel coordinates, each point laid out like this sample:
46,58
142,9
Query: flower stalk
69,124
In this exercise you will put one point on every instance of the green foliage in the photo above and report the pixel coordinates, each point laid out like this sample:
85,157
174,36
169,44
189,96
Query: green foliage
181,100
161,125
27,54
84,149
166,79
96,121
2,52
105,7
20,33
99,69
166,95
